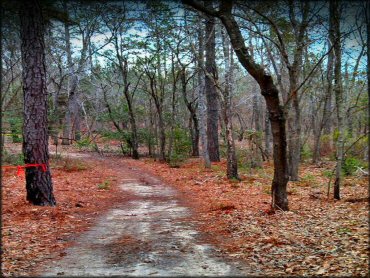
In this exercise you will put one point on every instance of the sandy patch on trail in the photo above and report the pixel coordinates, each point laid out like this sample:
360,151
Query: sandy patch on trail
150,235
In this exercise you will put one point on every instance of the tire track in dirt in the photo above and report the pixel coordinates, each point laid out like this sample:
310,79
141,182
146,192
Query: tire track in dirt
150,235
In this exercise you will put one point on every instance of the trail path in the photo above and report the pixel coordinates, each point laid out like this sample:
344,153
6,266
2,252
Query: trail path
151,235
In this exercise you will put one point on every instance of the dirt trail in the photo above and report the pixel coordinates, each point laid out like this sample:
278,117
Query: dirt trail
151,235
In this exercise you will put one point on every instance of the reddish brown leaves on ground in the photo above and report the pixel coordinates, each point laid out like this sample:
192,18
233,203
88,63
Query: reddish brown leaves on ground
316,237
33,234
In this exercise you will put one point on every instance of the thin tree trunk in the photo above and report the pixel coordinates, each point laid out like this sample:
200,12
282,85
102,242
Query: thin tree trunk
55,121
35,133
268,134
135,140
212,98
158,106
295,71
73,114
294,131
173,106
195,136
162,136
77,122
134,137
338,90
327,115
151,131
325,124
232,162
194,131
256,153
68,116
202,101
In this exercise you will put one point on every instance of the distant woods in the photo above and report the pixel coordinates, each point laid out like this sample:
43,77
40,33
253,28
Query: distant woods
245,81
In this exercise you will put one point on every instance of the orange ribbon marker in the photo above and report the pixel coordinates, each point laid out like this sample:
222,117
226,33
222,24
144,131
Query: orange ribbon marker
20,168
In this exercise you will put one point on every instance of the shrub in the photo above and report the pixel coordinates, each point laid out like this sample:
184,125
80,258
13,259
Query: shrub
181,147
328,173
146,137
104,185
350,165
306,152
16,124
83,143
11,158
247,159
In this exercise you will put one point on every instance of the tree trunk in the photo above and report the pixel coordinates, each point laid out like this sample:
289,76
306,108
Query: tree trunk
316,148
77,122
294,129
129,98
325,124
267,134
257,155
232,162
70,113
295,72
271,95
173,106
59,104
212,98
72,116
195,136
158,106
151,129
194,131
335,38
134,137
35,133
202,106
162,136
70,93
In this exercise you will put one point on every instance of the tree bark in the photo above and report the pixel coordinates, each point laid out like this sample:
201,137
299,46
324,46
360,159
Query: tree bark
295,72
72,116
232,162
202,106
194,131
158,103
35,133
70,93
256,116
212,97
267,130
124,71
175,76
338,91
294,130
325,124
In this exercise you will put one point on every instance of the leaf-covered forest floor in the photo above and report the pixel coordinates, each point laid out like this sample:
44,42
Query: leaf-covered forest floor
318,236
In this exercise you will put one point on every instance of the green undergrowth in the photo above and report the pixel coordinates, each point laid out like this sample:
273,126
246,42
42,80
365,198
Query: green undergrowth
9,158
105,185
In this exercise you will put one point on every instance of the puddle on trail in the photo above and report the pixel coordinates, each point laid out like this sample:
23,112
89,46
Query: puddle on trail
144,237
